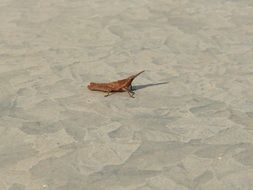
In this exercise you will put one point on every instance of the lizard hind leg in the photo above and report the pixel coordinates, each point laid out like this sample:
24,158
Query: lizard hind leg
131,88
129,92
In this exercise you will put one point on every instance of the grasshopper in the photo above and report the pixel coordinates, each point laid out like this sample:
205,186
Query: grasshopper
124,85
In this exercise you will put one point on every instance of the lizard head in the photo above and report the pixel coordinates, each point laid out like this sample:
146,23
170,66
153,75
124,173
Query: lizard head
90,85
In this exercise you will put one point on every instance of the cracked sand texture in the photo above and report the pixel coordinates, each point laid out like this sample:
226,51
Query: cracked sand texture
190,126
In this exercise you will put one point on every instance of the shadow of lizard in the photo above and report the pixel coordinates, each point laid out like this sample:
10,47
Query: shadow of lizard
138,87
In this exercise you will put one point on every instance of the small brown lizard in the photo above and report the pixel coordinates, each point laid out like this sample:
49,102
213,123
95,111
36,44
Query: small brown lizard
116,86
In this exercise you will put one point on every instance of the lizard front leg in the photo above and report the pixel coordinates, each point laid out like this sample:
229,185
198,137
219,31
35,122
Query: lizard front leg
108,94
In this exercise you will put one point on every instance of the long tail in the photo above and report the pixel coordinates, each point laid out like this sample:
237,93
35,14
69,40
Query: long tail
134,76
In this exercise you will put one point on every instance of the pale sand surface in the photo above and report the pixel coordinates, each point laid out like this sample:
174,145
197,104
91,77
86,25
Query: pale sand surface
194,131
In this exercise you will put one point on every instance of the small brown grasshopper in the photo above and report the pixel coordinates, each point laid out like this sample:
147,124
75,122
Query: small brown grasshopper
116,86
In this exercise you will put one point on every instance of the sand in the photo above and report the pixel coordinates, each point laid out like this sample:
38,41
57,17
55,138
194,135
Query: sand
189,127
